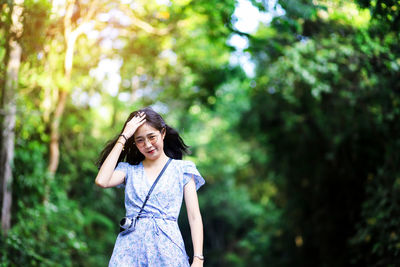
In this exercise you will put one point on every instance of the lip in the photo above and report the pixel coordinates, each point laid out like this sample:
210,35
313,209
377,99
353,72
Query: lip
151,151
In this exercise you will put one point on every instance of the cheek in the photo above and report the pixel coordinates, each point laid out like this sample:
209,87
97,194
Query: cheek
159,144
141,150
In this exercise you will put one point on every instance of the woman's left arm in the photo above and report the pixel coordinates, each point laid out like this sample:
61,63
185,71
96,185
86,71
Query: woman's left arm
195,221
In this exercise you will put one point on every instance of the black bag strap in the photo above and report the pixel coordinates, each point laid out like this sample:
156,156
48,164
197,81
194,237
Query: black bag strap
152,187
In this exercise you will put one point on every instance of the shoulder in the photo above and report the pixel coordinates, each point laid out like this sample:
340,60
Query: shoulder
126,164
187,167
184,163
189,171
122,165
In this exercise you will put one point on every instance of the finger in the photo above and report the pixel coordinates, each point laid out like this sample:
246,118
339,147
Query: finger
137,120
139,115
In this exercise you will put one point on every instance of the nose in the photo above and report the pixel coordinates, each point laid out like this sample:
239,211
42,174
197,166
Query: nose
147,143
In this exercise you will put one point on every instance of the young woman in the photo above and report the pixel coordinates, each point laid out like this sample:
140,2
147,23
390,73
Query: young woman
144,147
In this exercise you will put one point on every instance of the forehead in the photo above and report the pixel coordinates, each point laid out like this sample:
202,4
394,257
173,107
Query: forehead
145,130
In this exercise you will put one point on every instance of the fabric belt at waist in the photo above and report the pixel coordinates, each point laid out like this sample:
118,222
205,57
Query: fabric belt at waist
153,216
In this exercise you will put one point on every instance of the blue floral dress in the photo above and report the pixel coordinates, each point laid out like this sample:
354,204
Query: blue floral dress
156,240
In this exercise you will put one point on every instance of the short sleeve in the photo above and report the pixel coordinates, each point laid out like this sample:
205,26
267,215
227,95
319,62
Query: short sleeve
123,166
189,171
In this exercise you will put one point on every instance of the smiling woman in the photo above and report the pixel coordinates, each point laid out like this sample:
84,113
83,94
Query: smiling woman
147,153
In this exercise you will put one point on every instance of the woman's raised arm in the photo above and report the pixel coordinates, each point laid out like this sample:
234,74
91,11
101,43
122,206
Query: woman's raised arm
107,175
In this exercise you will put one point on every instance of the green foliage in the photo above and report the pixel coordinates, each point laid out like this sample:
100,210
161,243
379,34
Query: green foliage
325,110
376,239
65,230
36,23
387,13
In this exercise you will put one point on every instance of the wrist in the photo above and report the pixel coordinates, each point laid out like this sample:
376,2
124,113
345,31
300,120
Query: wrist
121,140
197,261
124,136
120,143
198,257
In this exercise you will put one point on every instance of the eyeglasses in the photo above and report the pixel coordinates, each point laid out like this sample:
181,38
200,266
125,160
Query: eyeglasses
142,140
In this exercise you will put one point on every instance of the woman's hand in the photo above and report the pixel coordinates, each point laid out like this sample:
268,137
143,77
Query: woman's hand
197,262
132,125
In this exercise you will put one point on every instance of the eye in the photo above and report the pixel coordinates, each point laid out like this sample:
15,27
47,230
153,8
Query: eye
139,141
152,138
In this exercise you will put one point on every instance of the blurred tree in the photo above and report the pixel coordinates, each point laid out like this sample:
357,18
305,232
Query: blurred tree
325,113
76,19
386,13
8,105
153,42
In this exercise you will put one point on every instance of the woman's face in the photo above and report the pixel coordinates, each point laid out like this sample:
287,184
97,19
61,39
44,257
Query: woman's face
149,141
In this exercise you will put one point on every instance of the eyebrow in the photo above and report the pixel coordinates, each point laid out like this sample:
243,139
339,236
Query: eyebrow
152,133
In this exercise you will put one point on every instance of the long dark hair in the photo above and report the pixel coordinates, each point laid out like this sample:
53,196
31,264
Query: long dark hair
174,147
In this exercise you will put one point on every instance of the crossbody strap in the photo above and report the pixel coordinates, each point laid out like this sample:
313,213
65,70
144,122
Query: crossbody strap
152,187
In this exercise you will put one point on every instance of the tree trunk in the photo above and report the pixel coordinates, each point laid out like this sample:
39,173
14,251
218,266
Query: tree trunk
55,132
70,35
54,151
9,106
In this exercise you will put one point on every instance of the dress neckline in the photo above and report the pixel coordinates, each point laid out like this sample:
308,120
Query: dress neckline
144,175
